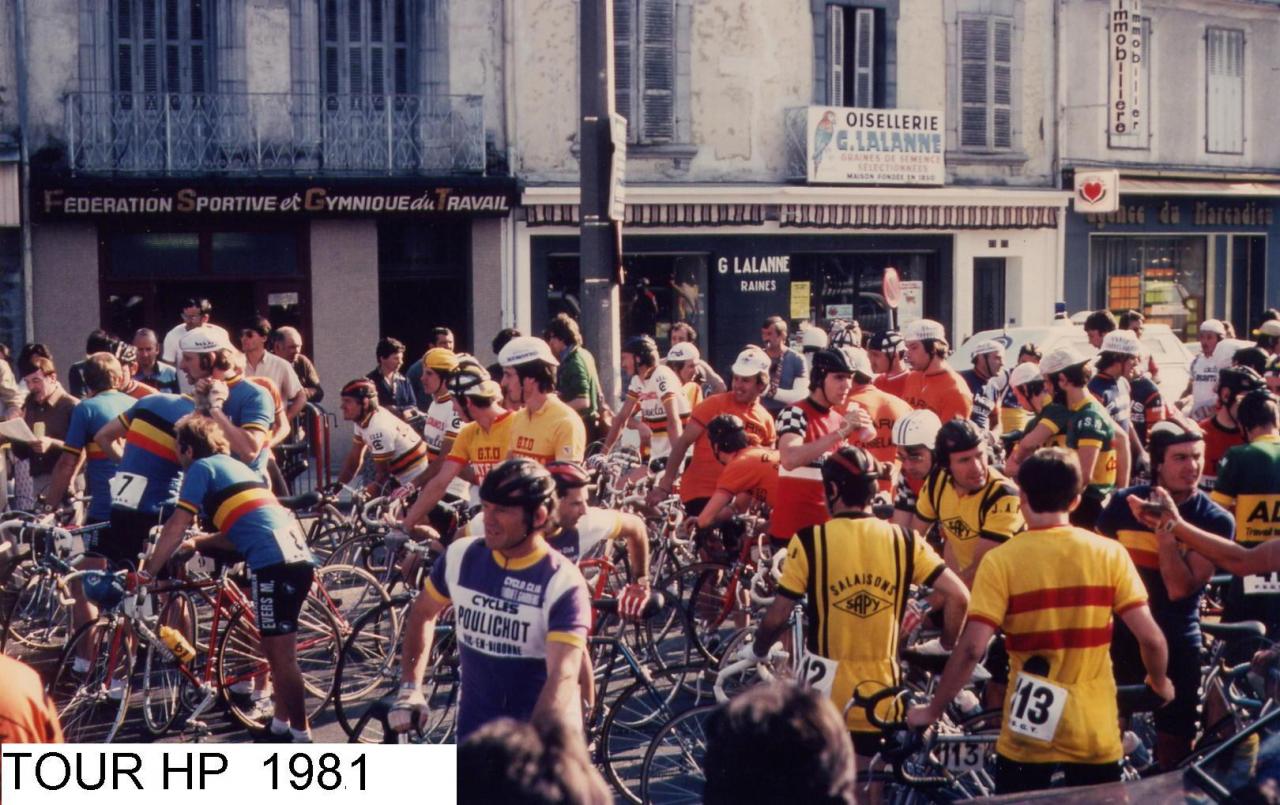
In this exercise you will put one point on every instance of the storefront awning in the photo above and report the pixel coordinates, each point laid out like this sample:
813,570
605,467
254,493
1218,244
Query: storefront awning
10,195
1190,187
655,214
918,216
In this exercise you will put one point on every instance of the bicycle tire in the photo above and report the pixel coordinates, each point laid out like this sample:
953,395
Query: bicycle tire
352,590
38,618
672,769
369,662
704,588
87,712
162,681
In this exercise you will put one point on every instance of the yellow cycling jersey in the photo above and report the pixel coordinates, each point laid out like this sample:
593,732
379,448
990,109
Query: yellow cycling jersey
481,449
993,512
855,572
554,433
1053,592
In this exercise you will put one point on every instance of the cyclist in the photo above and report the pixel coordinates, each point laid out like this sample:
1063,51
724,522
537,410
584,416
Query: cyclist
655,392
682,332
750,475
986,380
1013,417
1053,591
127,354
441,421
1116,362
1221,431
1146,400
1201,395
1174,579
854,574
886,351
243,410
683,359
1049,418
932,383
545,429
914,437
698,481
398,451
522,611
883,408
251,522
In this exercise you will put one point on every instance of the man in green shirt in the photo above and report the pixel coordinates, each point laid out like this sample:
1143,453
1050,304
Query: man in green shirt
577,382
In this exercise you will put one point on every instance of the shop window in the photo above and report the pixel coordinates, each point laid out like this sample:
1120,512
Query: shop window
257,254
146,254
855,56
644,59
1163,278
848,286
1224,87
424,282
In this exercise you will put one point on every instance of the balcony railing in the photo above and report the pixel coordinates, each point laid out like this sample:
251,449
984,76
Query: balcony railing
274,133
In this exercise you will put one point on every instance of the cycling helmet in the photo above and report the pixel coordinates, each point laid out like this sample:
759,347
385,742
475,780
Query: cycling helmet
102,588
1024,374
956,436
844,336
850,463
813,339
827,361
471,379
526,349
727,433
1253,357
519,482
1257,410
886,341
1167,433
126,352
568,475
1240,380
361,388
643,347
682,353
917,429
988,346
439,359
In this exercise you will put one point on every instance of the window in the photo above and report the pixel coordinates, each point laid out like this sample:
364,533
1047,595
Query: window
366,47
1224,91
855,60
162,46
986,83
1163,278
644,61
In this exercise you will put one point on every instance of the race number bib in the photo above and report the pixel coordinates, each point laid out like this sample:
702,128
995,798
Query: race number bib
962,757
1036,707
126,489
1263,584
818,673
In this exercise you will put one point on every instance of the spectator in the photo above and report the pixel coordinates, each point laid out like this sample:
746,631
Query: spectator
288,345
195,313
1134,321
98,341
48,414
788,377
1200,395
151,370
438,338
261,363
1096,327
682,332
777,743
26,714
393,388
577,381
518,763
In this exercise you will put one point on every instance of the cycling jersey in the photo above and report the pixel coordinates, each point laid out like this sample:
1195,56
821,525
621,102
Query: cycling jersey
277,402
249,407
855,573
481,449
801,501
441,424
1146,406
1013,417
1249,487
1056,418
1204,386
1114,395
137,390
150,474
992,512
944,392
595,526
892,384
394,443
87,418
987,394
699,478
754,470
1218,439
554,433
27,716
507,611
651,393
885,409
1053,592
906,493
692,393
240,505
1089,426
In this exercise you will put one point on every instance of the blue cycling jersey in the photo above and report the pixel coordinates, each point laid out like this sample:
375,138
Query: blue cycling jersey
89,417
249,406
149,474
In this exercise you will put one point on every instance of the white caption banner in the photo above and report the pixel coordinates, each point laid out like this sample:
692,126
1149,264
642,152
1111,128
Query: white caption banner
195,774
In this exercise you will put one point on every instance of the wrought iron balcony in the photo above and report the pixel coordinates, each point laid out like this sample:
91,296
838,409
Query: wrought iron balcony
274,133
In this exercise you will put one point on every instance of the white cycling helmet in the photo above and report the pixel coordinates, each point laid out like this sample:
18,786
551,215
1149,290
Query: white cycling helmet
917,429
526,349
987,347
813,339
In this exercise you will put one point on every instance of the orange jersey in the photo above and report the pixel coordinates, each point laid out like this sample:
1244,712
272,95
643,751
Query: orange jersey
944,392
753,470
1217,441
699,478
885,409
893,384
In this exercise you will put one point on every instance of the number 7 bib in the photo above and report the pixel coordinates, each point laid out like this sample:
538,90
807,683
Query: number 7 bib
1036,707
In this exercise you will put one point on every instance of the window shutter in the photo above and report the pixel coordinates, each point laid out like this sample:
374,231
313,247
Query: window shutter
623,63
864,58
658,75
835,55
974,50
1002,83
1224,54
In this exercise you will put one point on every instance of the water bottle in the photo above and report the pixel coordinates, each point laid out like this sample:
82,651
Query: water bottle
967,703
178,644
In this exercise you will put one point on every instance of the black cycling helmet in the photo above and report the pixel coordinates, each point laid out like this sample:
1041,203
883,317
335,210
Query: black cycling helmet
827,361
644,348
846,336
850,475
519,482
568,475
468,379
1167,433
1258,409
956,436
1240,380
361,388
727,434
886,341
1253,357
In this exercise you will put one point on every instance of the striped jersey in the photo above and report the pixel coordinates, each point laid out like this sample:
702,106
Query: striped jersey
1053,592
1088,425
801,501
87,418
1055,417
394,444
553,433
240,505
651,393
1248,486
150,474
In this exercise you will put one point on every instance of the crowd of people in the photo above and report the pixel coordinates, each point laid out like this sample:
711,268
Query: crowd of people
1065,514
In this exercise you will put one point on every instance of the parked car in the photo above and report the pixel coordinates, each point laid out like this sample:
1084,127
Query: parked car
1172,357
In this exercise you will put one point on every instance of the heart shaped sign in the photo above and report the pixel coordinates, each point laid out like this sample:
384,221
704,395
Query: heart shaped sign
1093,192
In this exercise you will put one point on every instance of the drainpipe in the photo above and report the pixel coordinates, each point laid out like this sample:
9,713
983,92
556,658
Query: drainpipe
1059,140
24,169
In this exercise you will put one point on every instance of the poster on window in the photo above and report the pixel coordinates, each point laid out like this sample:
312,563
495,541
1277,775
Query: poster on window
875,146
1125,61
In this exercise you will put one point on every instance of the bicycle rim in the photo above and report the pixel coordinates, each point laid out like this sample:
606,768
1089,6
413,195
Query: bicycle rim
38,619
369,666
162,679
87,712
672,770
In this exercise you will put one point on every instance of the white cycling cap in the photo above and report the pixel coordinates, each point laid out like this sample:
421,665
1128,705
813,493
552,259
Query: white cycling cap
526,349
204,339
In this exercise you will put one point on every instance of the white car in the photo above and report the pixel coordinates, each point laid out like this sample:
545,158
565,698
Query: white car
1172,357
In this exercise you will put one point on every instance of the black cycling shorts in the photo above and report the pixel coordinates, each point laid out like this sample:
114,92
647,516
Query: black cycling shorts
278,594
121,542
1179,717
867,744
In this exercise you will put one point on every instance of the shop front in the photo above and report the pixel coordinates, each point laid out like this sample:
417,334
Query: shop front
1179,252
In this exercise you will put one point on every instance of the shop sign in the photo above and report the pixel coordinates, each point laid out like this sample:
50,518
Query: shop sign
1125,58
839,311
912,306
755,270
1097,191
800,300
875,146
1200,213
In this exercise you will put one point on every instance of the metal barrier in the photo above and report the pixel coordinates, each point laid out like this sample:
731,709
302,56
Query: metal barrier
304,456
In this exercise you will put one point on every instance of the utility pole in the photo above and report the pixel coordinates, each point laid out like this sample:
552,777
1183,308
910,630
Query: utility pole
598,249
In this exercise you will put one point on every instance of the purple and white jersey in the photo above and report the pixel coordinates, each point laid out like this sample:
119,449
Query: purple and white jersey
507,612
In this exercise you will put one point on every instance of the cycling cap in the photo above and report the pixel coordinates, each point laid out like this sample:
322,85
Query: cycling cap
1059,359
204,339
126,352
727,433
471,379
1240,379
845,335
859,361
518,482
1023,374
439,359
812,338
987,347
917,429
643,347
568,475
682,352
526,349
361,388
924,330
1121,342
751,362
1213,327
848,463
1271,328
956,436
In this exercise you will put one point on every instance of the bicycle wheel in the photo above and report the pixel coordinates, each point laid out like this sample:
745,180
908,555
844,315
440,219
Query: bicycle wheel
327,532
369,666
40,616
637,714
240,662
709,592
88,709
363,551
351,592
672,768
162,677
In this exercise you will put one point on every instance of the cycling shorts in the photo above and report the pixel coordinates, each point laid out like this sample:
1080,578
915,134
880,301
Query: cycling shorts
867,744
1179,717
121,542
278,594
